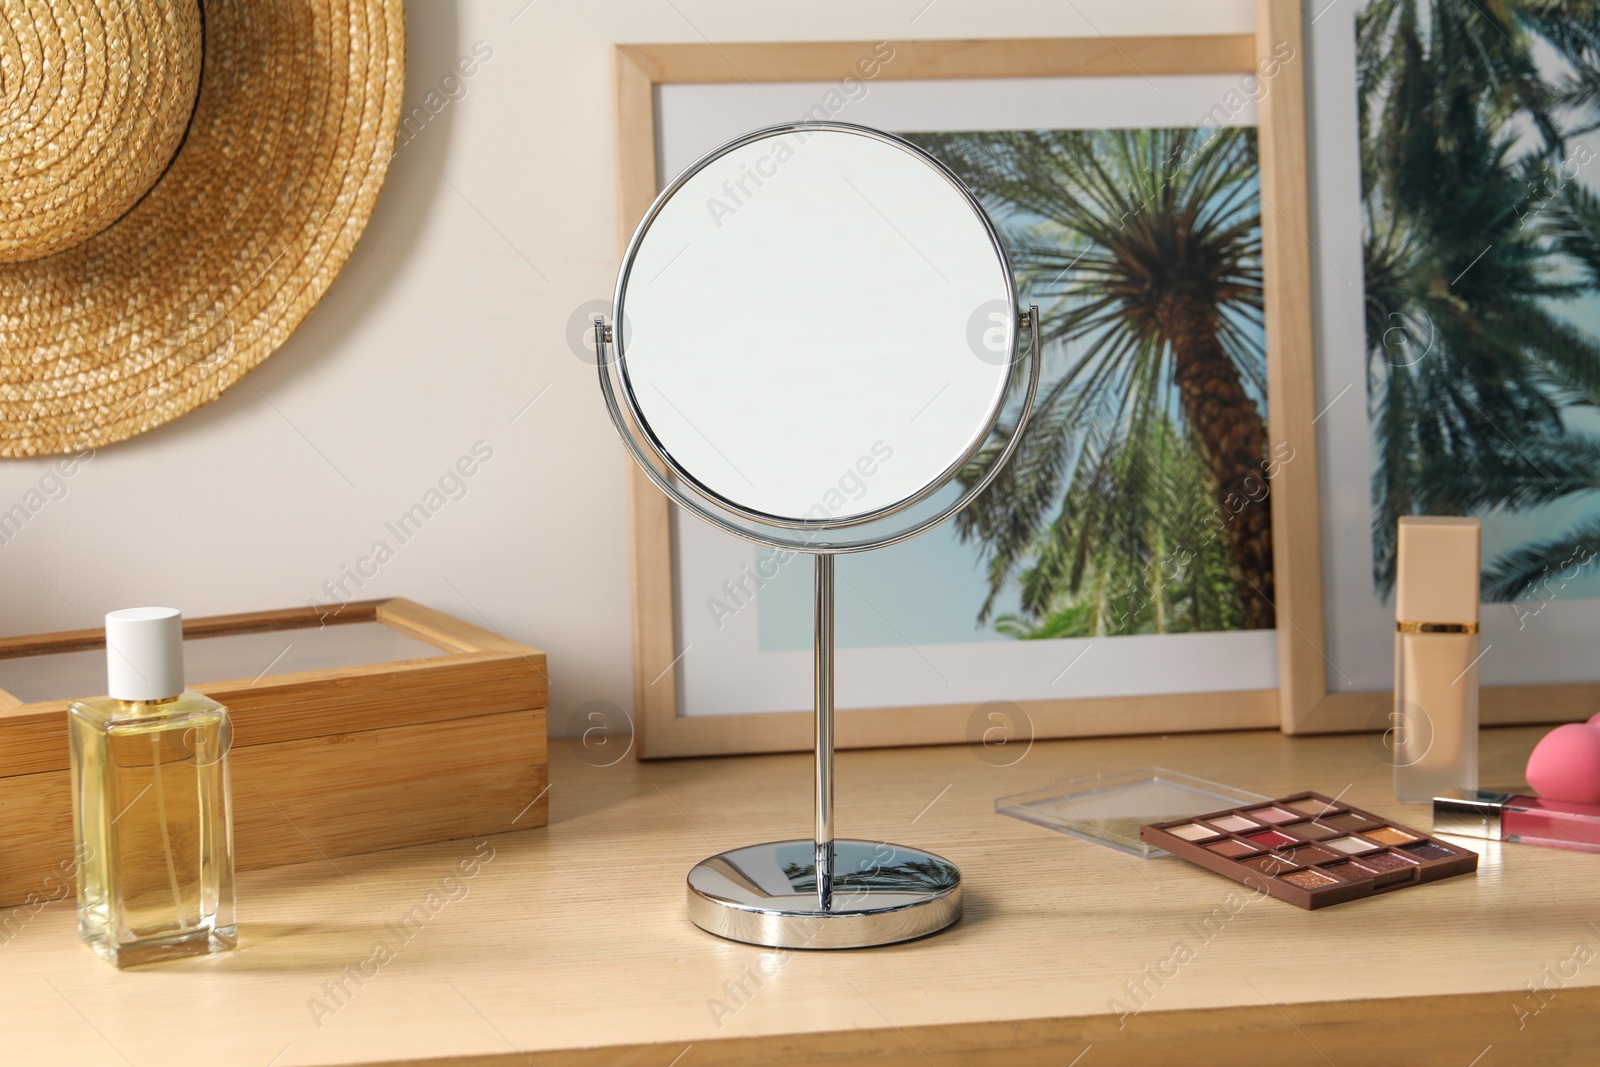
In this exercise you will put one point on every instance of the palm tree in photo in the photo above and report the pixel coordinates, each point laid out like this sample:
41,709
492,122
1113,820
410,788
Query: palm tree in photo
1573,224
1468,366
1143,248
1428,69
1145,571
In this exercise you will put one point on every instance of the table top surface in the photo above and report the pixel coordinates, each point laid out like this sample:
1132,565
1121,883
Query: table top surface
525,947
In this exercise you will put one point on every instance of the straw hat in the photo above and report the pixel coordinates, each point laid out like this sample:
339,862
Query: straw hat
176,194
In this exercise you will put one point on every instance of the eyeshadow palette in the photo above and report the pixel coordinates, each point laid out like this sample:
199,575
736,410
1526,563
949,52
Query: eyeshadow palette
1310,850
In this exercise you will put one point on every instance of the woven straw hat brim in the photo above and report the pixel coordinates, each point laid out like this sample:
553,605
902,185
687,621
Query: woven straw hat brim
222,259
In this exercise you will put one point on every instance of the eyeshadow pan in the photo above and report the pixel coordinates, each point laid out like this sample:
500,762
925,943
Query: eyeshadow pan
1230,848
1316,831
1389,861
1268,864
1309,879
1353,845
1428,850
1235,823
1192,832
1347,821
1349,871
1388,835
1310,854
1273,816
1270,839
1314,808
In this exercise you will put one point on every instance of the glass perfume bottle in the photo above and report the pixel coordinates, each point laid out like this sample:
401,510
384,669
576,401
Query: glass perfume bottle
1436,657
150,802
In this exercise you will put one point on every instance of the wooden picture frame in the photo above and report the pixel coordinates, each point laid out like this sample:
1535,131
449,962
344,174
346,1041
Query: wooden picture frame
1309,705
640,69
324,763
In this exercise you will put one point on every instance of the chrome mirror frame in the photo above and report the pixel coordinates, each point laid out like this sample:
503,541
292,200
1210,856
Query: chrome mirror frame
859,893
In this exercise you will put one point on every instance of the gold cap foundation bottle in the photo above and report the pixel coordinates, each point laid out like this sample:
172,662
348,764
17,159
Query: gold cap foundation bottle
150,802
1436,658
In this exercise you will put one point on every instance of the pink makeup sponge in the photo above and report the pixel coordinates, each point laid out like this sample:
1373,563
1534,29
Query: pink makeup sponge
1565,764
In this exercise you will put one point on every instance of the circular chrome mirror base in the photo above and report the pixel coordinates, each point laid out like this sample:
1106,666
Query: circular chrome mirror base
767,895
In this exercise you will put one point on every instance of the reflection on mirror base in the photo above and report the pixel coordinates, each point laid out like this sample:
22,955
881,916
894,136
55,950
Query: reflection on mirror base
767,895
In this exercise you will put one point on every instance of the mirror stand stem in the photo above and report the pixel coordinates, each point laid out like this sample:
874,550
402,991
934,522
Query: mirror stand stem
822,644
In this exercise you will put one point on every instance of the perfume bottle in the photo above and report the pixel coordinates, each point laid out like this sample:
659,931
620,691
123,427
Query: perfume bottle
150,802
1436,658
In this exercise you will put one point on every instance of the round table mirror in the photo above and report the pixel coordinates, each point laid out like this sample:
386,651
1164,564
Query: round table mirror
816,329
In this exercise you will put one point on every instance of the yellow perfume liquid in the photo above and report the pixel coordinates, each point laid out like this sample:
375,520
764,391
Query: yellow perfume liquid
151,810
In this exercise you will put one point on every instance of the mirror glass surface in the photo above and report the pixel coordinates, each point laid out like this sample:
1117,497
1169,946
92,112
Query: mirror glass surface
817,326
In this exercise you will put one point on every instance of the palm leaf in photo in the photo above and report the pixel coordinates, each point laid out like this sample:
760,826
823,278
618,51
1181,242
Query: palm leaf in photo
1539,570
1574,224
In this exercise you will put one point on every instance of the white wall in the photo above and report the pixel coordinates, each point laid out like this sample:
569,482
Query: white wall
496,223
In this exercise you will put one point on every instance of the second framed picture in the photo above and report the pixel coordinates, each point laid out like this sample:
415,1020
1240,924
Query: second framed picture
1124,573
1460,226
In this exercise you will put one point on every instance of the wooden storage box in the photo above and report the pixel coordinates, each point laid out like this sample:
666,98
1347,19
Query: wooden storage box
397,725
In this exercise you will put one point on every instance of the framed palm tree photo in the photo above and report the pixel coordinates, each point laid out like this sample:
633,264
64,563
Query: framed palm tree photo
1474,144
1131,568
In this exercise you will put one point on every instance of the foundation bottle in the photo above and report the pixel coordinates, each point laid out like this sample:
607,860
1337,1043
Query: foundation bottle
1435,720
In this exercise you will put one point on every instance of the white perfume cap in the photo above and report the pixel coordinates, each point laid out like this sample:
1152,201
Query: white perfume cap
144,653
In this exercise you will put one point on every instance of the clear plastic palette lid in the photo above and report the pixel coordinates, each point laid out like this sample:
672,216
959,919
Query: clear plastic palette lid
1108,809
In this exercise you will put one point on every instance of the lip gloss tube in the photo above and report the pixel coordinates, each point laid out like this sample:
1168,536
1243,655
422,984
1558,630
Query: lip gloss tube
1435,720
1521,819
